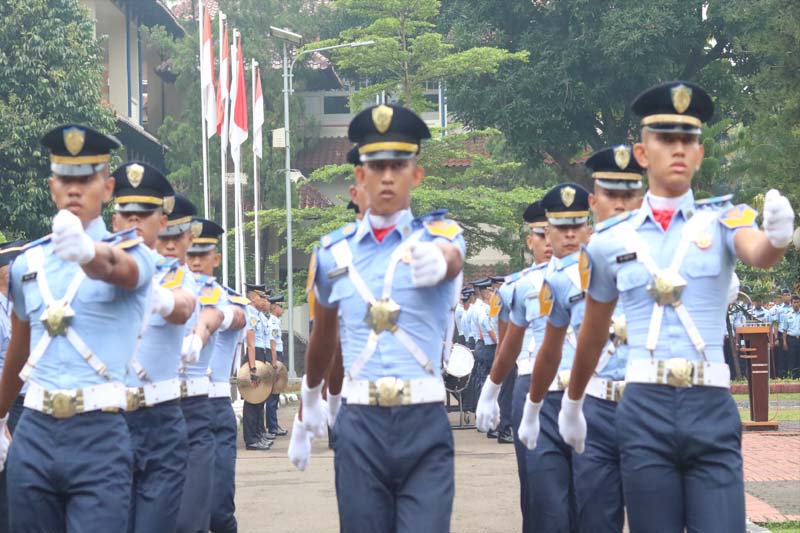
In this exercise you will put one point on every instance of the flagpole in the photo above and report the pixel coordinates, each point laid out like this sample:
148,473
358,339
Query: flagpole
256,232
223,159
203,115
234,71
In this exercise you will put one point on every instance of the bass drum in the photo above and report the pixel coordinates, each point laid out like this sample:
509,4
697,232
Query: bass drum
459,368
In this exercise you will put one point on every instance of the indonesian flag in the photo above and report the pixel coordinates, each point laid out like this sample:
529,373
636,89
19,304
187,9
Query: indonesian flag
223,86
207,76
258,116
238,126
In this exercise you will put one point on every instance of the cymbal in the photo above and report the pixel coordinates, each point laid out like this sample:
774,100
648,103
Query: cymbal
281,378
266,378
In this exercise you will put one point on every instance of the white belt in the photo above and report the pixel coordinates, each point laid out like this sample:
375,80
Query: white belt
194,387
153,394
219,389
561,381
605,389
678,372
67,403
525,366
391,392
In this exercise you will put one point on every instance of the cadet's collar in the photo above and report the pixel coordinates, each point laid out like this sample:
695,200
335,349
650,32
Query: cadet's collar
96,229
403,221
684,205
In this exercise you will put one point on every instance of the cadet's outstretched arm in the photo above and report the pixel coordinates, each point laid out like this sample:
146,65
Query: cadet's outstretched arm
114,266
507,352
320,349
592,337
208,323
16,355
452,256
184,307
547,360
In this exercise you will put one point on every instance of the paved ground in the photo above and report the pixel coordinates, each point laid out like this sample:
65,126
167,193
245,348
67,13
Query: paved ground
272,496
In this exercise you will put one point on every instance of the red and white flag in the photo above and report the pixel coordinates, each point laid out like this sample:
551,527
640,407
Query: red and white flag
223,89
207,76
238,126
258,116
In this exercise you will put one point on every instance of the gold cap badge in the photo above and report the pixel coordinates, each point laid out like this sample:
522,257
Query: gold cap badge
135,173
74,139
197,229
168,205
567,196
681,97
382,117
622,157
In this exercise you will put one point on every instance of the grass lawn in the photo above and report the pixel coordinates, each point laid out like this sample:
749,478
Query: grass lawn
773,397
781,415
783,527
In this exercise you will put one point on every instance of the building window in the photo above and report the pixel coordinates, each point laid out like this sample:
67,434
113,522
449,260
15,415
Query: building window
335,105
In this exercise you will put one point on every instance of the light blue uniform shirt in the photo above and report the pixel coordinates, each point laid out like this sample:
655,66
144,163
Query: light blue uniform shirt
261,330
459,315
107,318
762,314
225,348
5,327
506,294
159,351
486,325
209,294
424,311
524,310
782,313
274,331
569,302
792,318
707,271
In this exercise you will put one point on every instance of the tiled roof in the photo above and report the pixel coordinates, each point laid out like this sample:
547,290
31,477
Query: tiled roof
473,272
326,151
309,196
475,146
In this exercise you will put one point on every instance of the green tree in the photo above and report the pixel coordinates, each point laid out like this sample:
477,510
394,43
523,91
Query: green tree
51,74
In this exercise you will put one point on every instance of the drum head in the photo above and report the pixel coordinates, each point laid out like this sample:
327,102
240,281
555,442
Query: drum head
461,361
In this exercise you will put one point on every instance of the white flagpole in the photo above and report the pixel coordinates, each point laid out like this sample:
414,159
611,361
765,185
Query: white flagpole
224,155
236,164
256,232
206,204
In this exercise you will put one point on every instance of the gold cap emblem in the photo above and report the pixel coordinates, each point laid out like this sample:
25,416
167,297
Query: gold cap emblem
622,157
567,196
74,139
681,98
197,229
169,204
382,117
135,173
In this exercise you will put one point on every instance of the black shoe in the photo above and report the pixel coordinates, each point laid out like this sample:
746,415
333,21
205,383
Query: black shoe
269,436
280,432
492,434
258,446
505,437
266,440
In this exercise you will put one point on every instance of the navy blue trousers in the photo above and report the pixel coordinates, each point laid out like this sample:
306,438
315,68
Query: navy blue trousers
526,476
394,469
223,427
505,399
272,404
72,474
13,417
549,466
484,355
160,448
195,508
596,472
681,459
253,414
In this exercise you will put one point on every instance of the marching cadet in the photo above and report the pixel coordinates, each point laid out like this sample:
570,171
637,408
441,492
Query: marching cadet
504,431
393,438
791,337
153,412
254,428
523,333
670,264
80,297
216,315
561,299
8,251
203,259
487,342
276,352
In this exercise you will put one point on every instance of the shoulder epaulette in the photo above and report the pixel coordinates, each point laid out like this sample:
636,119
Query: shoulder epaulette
210,294
173,278
124,239
567,261
516,276
432,215
239,300
613,221
715,202
443,227
741,216
167,263
38,242
338,234
204,279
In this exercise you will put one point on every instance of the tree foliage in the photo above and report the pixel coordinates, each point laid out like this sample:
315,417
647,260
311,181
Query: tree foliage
51,73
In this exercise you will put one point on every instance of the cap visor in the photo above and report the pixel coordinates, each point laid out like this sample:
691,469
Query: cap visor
386,155
619,185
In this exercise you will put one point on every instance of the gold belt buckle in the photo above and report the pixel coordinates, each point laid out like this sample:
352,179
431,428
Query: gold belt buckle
619,390
389,391
184,390
65,404
563,379
134,399
679,372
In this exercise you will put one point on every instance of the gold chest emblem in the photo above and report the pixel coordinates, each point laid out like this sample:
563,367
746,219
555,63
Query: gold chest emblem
382,117
382,315
681,97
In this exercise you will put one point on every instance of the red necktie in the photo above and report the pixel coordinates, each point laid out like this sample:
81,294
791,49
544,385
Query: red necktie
663,217
381,233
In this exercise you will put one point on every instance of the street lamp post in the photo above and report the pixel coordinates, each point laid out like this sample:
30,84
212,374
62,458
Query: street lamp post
289,37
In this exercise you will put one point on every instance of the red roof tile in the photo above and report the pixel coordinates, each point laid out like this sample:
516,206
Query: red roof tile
326,151
309,196
476,145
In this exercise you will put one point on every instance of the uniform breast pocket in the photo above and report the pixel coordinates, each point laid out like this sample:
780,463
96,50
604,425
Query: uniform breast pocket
33,298
93,291
342,289
632,276
701,267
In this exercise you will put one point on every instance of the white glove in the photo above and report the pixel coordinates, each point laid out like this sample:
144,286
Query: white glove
334,403
571,423
733,289
428,265
163,301
315,412
227,317
299,445
487,414
4,442
528,432
69,240
778,219
190,351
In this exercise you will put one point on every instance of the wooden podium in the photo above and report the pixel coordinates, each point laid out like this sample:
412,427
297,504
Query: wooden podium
756,353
